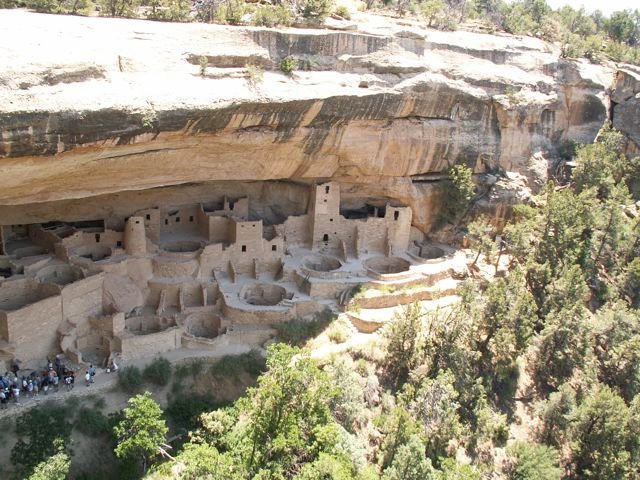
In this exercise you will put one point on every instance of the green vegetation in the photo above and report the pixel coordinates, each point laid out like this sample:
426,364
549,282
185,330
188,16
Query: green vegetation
158,371
459,190
119,8
298,330
481,236
343,12
168,10
74,7
43,433
252,362
185,410
53,468
315,10
437,14
192,368
280,426
231,12
141,431
288,65
273,16
531,461
130,378
92,422
404,342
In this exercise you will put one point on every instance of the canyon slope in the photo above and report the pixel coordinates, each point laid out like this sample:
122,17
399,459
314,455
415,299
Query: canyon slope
93,110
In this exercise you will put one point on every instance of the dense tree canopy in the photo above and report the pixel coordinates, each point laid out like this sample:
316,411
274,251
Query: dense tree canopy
141,431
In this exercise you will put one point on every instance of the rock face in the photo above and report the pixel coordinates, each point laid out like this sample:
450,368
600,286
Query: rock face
625,99
93,106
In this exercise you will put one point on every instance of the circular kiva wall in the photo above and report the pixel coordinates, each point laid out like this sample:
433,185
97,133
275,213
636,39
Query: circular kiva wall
145,324
264,294
387,265
322,263
203,325
59,274
182,246
93,252
431,252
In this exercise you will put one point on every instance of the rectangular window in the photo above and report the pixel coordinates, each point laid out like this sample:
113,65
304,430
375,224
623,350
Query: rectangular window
244,248
273,248
191,218
177,219
325,237
118,243
166,221
396,215
148,216
97,238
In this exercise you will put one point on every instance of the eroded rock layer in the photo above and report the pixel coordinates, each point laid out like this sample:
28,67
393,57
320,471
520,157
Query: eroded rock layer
127,108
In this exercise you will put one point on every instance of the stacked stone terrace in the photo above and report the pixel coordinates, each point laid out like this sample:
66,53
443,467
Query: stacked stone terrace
199,275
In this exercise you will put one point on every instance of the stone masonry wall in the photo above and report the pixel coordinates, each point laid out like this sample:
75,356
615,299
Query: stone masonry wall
33,328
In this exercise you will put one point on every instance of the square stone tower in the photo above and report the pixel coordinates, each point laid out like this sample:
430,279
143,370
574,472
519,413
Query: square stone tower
325,215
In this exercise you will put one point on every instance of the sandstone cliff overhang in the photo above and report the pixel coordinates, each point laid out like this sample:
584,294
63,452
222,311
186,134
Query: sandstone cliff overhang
92,106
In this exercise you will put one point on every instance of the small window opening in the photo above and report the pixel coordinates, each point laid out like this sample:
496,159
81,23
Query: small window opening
137,222
191,218
148,216
118,243
177,219
97,238
231,205
326,189
325,237
396,215
166,221
274,248
331,219
244,248
325,200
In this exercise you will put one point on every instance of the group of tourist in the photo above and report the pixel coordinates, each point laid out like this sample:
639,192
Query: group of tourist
14,386
56,374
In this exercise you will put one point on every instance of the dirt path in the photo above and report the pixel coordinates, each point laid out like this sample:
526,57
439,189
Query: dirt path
104,382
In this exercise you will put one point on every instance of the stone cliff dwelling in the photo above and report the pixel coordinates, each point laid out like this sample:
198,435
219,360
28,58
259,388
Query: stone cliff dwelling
177,212
192,276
